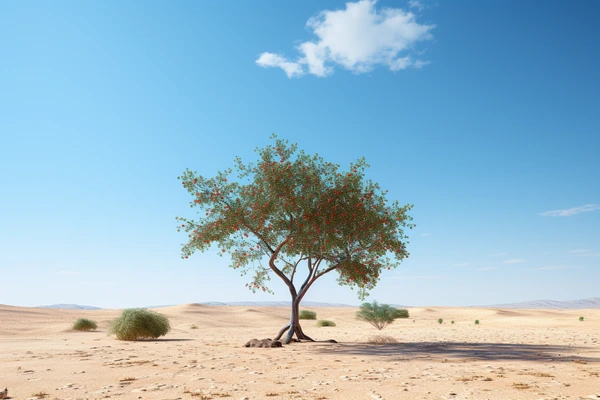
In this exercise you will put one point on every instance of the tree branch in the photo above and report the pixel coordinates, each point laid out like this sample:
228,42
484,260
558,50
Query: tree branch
328,270
277,271
296,266
317,264
312,276
259,236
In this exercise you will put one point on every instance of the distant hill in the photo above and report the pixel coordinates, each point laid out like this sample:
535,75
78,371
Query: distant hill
214,303
273,304
71,307
592,302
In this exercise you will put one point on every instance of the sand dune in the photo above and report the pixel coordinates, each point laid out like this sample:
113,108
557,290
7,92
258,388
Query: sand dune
512,354
593,302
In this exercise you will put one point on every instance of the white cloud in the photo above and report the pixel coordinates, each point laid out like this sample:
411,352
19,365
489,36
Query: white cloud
357,38
498,254
461,264
514,261
571,211
418,64
590,255
416,4
273,60
486,269
425,234
66,272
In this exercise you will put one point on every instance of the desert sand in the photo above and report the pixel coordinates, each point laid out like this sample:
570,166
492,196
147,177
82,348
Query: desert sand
511,354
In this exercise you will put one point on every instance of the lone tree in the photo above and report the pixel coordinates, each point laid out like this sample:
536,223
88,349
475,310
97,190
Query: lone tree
292,214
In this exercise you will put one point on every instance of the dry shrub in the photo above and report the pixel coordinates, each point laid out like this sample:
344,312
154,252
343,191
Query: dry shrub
379,315
305,314
138,323
382,339
325,322
84,324
521,385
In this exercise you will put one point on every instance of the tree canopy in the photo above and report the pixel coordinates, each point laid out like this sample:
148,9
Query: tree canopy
291,211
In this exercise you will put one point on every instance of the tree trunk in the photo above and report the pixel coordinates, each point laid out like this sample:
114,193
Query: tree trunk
293,327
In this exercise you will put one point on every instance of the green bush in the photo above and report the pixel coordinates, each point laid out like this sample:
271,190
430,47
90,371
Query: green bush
193,327
452,322
83,324
305,314
325,322
581,318
440,321
139,323
379,315
476,322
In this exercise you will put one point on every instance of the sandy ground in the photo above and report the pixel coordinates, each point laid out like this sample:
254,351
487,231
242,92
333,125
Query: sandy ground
512,354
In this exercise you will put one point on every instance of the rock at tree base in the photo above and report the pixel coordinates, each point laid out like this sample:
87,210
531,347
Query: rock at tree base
263,343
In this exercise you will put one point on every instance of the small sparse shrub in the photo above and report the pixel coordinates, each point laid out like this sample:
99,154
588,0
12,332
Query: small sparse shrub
40,394
305,314
382,339
521,385
193,327
325,322
476,322
200,395
452,322
581,318
139,323
83,324
440,321
380,315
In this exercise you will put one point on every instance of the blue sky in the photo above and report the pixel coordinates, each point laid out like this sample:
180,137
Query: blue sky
484,115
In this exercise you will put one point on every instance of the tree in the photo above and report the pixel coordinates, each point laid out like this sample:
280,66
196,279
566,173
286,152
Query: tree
379,315
291,212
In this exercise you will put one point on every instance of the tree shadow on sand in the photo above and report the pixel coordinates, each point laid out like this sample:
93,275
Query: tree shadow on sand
464,350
